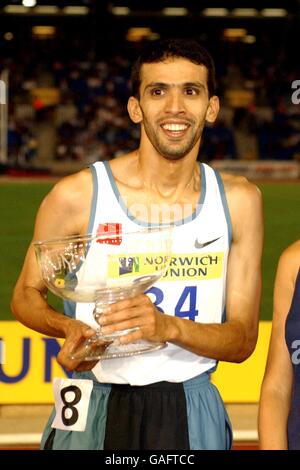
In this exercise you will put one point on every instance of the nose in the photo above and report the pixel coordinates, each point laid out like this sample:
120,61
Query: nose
175,102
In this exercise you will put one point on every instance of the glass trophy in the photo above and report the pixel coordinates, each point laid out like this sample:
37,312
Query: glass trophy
103,269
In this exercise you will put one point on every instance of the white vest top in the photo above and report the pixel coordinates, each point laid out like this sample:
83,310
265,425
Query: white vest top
193,288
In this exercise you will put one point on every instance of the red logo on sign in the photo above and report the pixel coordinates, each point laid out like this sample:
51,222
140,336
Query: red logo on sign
113,232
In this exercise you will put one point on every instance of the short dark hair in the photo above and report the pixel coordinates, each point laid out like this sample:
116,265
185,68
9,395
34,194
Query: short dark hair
159,51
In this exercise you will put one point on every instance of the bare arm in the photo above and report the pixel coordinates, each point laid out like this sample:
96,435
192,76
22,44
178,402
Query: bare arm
277,383
233,340
62,213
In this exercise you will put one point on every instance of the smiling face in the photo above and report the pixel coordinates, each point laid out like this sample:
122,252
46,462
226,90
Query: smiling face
173,106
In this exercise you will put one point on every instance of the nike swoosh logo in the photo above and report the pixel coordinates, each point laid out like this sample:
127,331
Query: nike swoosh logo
202,245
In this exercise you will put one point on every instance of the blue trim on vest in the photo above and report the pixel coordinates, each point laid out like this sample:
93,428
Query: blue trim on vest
147,224
223,319
69,305
69,308
225,205
94,199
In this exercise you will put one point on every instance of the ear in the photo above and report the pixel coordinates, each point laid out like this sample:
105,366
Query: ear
213,109
134,110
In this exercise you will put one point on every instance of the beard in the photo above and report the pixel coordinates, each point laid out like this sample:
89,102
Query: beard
175,150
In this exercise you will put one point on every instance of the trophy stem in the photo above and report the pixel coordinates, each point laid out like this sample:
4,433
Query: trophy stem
99,310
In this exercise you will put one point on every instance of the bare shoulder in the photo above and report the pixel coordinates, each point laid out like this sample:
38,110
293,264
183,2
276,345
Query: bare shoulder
72,190
293,251
246,209
66,208
237,187
244,201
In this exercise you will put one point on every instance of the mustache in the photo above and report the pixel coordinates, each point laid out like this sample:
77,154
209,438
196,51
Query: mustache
189,121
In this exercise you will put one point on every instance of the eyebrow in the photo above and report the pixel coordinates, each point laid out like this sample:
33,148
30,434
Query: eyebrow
170,85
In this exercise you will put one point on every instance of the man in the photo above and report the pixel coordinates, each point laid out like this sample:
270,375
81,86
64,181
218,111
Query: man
162,399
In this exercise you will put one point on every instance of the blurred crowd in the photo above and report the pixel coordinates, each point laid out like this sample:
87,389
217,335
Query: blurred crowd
86,118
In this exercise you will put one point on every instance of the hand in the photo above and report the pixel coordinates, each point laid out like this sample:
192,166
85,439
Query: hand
137,312
77,333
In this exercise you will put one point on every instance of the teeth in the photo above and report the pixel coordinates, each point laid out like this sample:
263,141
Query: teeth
174,127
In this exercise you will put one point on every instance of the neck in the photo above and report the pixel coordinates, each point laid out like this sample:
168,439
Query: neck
169,178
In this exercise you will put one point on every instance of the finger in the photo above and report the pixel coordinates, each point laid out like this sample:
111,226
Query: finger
92,350
67,362
131,337
126,325
89,332
127,303
134,312
74,350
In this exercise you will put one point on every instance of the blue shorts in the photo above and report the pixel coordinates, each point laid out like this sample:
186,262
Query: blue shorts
161,416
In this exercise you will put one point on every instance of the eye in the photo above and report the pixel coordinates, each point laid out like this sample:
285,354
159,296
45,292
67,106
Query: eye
192,91
157,92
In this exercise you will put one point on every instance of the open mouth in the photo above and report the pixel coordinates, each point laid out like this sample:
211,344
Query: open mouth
175,130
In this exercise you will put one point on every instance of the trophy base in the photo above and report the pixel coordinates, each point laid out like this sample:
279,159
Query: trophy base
115,350
94,351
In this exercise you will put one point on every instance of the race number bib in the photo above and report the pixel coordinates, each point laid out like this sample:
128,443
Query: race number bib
72,397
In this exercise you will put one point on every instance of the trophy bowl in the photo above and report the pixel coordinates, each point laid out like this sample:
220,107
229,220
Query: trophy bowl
102,269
